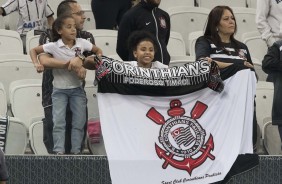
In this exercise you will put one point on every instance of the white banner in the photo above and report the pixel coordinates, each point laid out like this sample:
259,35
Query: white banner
193,138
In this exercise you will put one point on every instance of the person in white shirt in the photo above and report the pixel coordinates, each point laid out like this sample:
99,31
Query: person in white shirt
67,86
269,20
143,46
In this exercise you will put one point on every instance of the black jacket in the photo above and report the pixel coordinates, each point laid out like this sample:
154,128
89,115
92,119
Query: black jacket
144,17
272,64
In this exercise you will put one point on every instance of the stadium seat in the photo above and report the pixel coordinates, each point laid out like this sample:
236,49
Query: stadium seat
187,19
36,137
213,3
245,19
181,60
90,20
92,104
25,98
16,137
14,40
264,99
14,67
165,4
11,21
192,38
255,44
3,101
271,141
2,23
106,40
258,68
252,4
31,40
176,44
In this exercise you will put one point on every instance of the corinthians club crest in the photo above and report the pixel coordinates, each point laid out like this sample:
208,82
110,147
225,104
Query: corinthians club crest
182,137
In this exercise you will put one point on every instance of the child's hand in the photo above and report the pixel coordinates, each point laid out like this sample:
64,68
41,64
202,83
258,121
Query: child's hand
39,67
75,64
81,73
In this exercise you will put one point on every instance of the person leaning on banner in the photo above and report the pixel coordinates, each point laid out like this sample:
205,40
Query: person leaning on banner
272,64
3,169
145,16
66,7
219,44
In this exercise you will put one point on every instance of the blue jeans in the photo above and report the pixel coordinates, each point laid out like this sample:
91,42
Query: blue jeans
77,101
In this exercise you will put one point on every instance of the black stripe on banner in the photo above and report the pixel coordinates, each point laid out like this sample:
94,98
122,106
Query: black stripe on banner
3,132
119,77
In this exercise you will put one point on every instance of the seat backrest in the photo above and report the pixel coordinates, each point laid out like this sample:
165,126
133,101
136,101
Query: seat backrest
258,68
11,21
176,44
264,99
31,40
11,38
245,19
2,22
213,3
185,19
90,22
106,40
92,103
257,47
181,60
25,98
36,137
3,100
252,4
192,38
165,4
16,137
15,67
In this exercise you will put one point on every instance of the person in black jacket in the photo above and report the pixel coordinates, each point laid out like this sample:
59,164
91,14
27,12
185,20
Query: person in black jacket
272,64
145,16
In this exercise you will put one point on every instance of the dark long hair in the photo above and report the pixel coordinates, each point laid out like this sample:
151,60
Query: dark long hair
212,23
57,25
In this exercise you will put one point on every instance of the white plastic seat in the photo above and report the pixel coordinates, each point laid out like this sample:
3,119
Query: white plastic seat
176,44
11,21
15,67
16,137
165,4
36,137
192,38
90,20
3,100
245,19
2,23
10,42
257,47
264,99
271,141
115,56
252,4
258,68
92,103
181,60
212,3
31,40
106,40
25,98
187,19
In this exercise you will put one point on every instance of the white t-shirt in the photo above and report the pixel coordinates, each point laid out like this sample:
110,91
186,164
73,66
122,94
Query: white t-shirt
32,14
155,64
64,79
